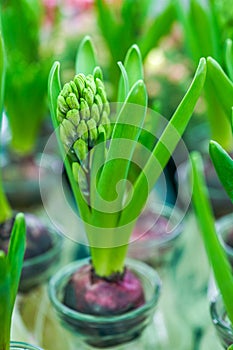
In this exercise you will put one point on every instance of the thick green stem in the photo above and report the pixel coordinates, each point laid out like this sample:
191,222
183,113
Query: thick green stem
5,337
5,209
219,123
108,261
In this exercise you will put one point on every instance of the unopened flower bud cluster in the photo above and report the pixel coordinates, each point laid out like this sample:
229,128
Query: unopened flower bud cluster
83,113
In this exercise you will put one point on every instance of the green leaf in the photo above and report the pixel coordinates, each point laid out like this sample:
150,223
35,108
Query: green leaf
54,88
123,88
221,84
2,74
215,251
16,253
134,69
10,271
109,27
230,347
223,164
229,58
126,129
85,60
159,28
165,146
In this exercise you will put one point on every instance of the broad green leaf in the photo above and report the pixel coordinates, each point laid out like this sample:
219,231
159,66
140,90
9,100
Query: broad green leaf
159,27
230,347
221,84
223,164
85,60
215,251
2,74
134,69
127,127
54,88
16,253
229,58
165,146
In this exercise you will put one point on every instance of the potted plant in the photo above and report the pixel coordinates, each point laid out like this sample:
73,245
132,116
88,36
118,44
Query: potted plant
11,264
148,24
43,244
98,152
25,103
221,306
211,41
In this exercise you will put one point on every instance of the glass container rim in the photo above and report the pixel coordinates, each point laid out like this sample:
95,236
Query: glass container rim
57,240
165,210
217,321
139,266
224,223
23,346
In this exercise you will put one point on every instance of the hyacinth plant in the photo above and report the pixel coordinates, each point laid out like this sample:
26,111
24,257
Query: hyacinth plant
10,271
147,25
223,88
98,144
217,256
205,35
26,72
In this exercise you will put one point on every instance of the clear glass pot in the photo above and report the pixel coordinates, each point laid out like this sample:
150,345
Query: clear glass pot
22,346
132,330
31,301
221,322
157,241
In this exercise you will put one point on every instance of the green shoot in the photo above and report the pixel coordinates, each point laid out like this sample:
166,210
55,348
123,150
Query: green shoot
98,160
5,210
202,33
10,271
215,251
229,58
129,24
223,164
26,73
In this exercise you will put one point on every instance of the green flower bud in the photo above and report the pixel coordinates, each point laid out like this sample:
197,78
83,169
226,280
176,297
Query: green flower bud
60,115
99,102
106,123
72,101
66,90
106,107
88,96
74,88
82,130
80,177
99,84
90,83
98,73
95,114
73,116
101,129
81,150
65,138
84,109
102,94
92,129
80,82
62,105
69,129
